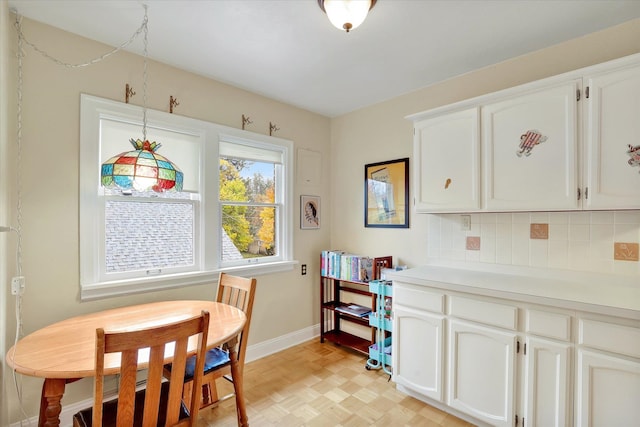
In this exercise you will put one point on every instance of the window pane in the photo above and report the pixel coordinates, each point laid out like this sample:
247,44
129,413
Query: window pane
248,232
148,236
246,180
248,226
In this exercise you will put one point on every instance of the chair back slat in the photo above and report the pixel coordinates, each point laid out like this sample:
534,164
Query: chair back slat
154,381
238,292
127,387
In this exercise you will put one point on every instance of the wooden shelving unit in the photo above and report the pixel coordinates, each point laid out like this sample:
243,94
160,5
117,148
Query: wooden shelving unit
331,319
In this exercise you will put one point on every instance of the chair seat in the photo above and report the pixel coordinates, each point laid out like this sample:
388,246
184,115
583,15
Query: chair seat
84,417
215,358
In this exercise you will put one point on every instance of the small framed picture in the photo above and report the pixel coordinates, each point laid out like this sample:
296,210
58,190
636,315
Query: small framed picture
309,212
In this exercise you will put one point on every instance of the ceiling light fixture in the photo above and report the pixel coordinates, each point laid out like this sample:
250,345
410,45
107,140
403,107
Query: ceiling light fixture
346,14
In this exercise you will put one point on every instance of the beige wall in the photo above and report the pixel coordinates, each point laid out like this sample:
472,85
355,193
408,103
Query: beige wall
51,100
381,132
377,133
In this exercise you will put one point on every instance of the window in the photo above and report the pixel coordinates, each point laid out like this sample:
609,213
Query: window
234,212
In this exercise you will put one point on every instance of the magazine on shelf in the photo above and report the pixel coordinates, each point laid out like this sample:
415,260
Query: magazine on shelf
354,309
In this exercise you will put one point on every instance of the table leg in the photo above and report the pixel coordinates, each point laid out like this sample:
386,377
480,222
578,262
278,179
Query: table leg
50,407
238,386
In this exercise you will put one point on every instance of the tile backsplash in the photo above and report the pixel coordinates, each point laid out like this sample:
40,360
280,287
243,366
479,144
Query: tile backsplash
580,241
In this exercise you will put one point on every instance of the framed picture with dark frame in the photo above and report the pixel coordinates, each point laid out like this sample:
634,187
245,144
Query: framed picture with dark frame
386,194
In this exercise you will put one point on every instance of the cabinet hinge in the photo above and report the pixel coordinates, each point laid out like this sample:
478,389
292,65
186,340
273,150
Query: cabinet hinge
577,94
522,421
518,346
516,421
578,193
586,93
525,351
586,193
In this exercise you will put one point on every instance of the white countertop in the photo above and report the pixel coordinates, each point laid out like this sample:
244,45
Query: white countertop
593,292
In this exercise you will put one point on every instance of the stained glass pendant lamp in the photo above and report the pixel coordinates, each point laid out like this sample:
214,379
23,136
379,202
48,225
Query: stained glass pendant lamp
141,169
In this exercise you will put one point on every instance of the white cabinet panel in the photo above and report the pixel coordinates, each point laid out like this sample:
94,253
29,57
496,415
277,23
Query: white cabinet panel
481,372
608,336
530,146
546,385
418,353
489,313
548,324
415,297
608,390
447,174
612,129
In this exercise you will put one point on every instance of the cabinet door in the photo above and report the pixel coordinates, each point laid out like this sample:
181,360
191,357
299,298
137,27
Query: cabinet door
417,352
446,177
530,151
546,383
481,372
607,391
611,135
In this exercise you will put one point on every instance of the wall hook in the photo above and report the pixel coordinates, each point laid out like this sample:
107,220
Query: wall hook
246,120
173,102
128,93
273,128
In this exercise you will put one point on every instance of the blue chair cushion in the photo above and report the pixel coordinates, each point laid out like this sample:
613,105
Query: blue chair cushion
216,357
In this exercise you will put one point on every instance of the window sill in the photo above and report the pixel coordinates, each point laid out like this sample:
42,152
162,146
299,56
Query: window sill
127,287
258,269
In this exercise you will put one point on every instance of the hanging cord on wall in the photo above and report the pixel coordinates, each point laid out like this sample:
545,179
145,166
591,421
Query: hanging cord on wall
143,27
18,230
21,42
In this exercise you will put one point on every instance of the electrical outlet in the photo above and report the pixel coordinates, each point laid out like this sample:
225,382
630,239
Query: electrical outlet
303,269
465,222
17,285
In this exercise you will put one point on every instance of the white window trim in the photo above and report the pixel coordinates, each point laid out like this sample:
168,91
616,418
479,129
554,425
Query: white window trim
92,109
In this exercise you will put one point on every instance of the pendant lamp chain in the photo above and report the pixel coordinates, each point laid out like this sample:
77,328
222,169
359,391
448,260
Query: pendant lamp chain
144,74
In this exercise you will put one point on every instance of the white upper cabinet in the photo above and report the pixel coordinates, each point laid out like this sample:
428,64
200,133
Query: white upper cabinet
612,140
447,151
530,146
568,142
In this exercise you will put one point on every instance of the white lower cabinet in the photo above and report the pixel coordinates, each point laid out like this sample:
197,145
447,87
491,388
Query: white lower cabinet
607,390
499,362
481,372
608,373
419,333
546,383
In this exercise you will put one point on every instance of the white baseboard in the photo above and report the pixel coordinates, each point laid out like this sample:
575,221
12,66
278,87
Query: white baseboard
265,348
254,352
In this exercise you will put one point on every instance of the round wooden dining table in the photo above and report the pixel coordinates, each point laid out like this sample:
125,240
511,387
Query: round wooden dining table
65,351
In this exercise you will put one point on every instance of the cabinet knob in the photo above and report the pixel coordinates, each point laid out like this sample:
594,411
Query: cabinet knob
447,183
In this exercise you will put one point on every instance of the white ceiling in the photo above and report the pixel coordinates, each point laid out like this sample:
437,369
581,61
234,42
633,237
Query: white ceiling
287,49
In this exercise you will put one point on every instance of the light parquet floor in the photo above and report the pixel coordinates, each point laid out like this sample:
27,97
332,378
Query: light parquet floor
322,385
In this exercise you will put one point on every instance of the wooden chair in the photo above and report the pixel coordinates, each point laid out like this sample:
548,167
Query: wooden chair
160,404
238,292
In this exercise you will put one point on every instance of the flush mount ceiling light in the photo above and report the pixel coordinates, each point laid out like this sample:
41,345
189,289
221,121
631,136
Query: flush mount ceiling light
346,14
